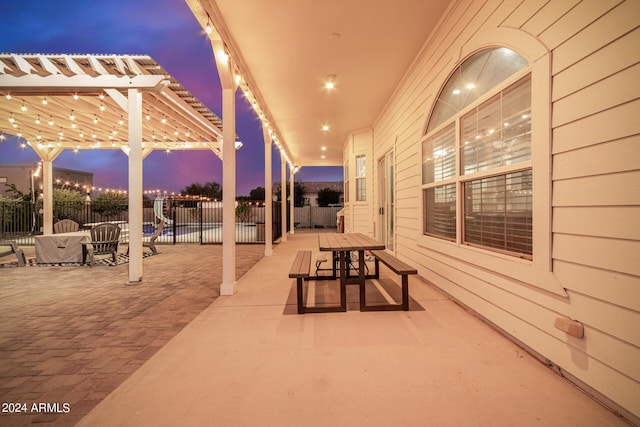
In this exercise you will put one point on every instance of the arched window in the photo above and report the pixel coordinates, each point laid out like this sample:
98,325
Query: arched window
476,156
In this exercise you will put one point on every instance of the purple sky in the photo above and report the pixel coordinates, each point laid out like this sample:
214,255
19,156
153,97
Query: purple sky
167,31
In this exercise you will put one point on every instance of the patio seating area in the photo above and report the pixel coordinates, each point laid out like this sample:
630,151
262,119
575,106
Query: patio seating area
169,352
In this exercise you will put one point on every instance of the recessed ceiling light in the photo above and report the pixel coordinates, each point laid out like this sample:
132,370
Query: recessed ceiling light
330,81
325,128
335,36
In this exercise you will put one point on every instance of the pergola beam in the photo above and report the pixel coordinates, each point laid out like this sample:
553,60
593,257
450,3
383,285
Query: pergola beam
33,83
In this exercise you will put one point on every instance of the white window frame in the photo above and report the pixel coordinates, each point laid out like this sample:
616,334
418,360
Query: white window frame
537,272
361,179
345,171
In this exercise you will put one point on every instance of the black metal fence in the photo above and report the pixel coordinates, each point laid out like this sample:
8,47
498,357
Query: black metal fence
18,220
185,221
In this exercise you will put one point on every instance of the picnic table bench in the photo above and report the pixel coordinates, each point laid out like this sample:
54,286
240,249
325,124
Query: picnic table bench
398,267
300,270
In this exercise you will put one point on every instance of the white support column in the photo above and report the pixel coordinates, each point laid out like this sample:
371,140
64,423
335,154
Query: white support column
292,205
47,196
229,85
228,286
268,194
47,156
135,185
283,195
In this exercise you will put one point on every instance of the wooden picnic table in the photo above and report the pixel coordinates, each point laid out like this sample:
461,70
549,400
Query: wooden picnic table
343,243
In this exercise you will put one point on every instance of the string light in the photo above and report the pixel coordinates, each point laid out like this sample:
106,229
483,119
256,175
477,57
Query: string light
208,29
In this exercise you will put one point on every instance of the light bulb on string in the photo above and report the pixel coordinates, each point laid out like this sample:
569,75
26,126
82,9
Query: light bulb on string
24,107
208,29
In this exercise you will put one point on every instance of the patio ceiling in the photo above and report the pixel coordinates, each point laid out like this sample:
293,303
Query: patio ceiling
79,102
285,52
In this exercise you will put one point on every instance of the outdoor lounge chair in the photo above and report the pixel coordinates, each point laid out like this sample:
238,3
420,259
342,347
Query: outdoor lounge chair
104,240
151,243
65,226
14,249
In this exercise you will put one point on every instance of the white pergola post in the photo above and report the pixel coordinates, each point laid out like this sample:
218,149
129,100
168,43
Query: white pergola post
135,185
283,195
292,211
47,196
268,194
47,155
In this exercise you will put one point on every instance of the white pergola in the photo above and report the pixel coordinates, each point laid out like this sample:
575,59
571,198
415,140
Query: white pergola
124,102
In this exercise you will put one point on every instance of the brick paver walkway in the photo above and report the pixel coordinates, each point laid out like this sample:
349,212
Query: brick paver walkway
70,335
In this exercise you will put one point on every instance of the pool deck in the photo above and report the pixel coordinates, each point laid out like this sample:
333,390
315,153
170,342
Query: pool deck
171,352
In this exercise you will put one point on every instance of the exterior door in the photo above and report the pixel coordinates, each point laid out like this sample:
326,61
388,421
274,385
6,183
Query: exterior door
386,207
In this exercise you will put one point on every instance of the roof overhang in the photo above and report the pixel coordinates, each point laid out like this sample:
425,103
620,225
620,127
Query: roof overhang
80,102
285,51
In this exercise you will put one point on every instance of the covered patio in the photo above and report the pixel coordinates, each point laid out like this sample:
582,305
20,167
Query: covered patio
158,354
245,361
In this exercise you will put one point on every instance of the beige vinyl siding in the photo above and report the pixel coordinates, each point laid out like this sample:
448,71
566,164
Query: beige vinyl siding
619,55
580,16
621,189
603,95
613,24
594,185
598,221
607,157
360,212
597,127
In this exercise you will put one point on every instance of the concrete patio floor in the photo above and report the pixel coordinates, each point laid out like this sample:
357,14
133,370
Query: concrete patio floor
249,360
